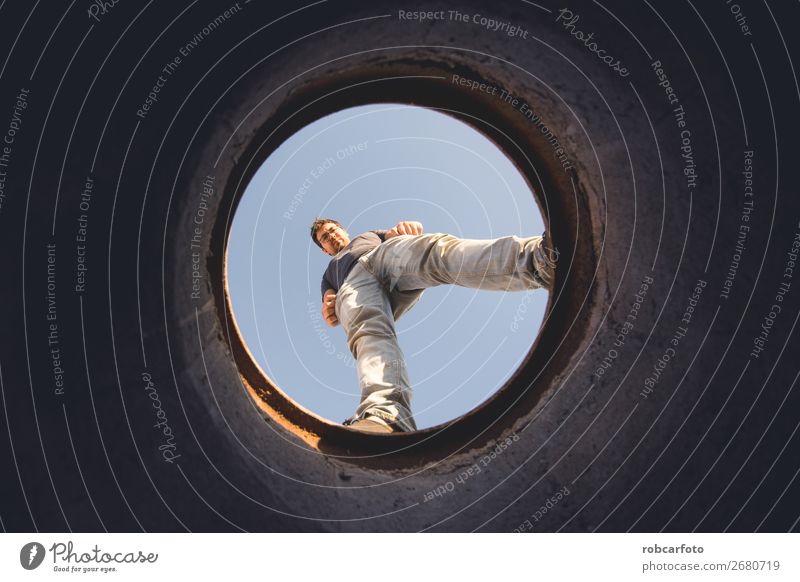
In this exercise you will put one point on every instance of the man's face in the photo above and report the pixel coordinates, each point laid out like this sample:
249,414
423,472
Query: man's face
332,237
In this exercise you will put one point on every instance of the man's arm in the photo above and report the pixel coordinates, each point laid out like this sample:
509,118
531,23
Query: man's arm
328,302
404,227
329,308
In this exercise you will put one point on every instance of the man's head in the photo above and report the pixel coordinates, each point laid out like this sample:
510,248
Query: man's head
329,235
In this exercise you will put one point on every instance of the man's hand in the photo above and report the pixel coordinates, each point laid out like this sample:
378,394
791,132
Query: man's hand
329,308
404,227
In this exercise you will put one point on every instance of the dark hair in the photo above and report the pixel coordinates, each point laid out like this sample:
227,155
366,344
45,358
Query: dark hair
319,222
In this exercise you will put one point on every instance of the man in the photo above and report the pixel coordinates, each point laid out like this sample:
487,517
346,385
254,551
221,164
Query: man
379,275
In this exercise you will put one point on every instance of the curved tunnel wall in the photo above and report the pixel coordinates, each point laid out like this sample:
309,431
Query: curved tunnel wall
647,390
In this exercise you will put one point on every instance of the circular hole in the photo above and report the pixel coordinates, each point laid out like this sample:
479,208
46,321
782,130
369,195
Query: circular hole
369,167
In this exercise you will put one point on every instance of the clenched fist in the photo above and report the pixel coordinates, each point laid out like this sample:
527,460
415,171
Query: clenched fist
404,227
329,308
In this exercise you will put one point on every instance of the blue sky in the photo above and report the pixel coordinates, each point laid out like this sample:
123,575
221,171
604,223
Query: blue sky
369,167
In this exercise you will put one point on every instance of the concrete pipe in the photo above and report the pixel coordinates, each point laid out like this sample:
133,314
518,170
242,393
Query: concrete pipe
660,394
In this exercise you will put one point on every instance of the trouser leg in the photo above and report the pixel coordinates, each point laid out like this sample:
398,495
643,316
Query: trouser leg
364,310
388,281
509,263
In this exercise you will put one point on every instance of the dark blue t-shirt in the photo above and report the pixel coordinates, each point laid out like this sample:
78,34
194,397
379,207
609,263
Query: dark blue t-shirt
344,261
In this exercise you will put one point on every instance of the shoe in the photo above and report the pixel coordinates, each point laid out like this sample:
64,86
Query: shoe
546,255
550,249
368,425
